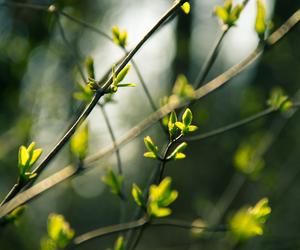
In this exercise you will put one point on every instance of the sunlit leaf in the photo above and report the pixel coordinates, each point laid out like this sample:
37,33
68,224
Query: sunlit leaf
79,141
260,22
59,230
186,7
137,195
119,244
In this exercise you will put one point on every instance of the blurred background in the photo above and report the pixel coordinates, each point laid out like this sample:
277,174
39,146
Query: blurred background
39,57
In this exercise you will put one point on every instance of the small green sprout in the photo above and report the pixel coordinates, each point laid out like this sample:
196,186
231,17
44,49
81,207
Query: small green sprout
117,79
27,158
177,153
228,14
59,233
114,182
160,197
153,149
79,141
185,126
119,244
186,8
248,222
182,88
137,195
85,94
173,129
279,101
260,22
247,160
14,215
119,37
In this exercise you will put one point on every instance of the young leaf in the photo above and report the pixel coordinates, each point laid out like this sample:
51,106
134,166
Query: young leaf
177,153
114,181
26,159
119,244
119,37
187,117
161,196
14,215
171,124
260,22
79,141
89,64
153,150
120,77
137,195
249,221
59,230
186,7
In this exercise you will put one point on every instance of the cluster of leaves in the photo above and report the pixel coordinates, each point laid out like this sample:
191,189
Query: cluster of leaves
279,100
160,197
247,159
59,233
249,221
27,158
114,182
176,130
229,14
119,36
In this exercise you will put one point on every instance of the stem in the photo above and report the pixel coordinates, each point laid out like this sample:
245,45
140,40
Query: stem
232,126
109,230
113,138
211,58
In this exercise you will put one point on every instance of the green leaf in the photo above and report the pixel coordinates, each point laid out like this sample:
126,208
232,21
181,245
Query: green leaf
222,14
235,14
79,141
180,125
182,88
89,64
260,22
150,155
178,150
248,222
279,101
186,8
179,156
114,181
120,77
137,195
119,37
127,85
192,128
187,117
14,215
59,230
161,196
171,124
26,159
119,244
151,146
